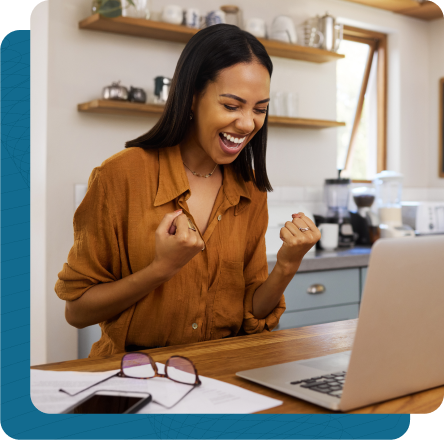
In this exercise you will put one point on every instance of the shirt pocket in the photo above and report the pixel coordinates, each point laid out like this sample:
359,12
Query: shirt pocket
228,309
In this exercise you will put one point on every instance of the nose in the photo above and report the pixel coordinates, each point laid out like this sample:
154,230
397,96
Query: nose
245,122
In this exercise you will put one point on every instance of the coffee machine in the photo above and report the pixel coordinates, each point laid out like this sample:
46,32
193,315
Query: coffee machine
365,222
389,195
336,192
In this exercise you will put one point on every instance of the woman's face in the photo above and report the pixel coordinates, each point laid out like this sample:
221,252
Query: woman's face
230,111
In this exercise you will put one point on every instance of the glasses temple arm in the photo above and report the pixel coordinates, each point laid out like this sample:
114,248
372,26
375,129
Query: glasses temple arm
87,388
185,395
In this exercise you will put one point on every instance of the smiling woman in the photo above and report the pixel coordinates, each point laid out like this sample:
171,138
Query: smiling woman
170,238
225,71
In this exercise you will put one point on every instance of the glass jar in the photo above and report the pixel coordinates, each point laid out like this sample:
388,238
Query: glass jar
233,14
141,9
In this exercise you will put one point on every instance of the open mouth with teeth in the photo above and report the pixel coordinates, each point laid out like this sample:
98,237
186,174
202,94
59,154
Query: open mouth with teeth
230,141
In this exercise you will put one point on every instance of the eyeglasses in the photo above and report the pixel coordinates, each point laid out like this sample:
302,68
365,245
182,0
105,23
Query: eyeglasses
177,368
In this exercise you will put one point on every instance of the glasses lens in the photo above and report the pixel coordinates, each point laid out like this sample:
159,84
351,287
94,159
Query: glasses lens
181,370
137,365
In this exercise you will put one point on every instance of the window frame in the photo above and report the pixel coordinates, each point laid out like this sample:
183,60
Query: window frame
377,42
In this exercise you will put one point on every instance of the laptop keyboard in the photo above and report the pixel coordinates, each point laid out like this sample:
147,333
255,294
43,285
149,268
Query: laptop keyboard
331,384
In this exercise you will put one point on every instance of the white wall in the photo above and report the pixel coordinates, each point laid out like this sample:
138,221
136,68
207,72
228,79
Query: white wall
436,71
39,109
81,63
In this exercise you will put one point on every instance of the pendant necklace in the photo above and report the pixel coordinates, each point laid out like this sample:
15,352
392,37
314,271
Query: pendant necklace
200,175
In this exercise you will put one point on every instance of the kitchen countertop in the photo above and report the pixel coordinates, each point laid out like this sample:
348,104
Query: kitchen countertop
358,256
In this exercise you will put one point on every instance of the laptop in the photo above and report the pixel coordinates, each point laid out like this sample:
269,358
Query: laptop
398,347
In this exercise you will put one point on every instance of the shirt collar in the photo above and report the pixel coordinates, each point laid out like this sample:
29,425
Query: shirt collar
172,178
173,181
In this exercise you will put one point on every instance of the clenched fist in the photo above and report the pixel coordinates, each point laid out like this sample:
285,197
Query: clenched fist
298,236
176,243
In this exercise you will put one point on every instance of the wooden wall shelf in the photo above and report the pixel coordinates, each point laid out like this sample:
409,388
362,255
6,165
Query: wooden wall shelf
136,109
140,27
423,10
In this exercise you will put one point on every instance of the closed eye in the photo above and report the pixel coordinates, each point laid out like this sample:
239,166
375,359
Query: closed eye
228,107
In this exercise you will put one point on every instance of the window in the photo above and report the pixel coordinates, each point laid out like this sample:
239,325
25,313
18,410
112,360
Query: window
361,103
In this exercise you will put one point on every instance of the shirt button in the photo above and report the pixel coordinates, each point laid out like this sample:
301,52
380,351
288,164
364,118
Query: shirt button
194,326
219,217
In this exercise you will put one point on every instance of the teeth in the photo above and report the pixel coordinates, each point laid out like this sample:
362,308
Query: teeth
233,139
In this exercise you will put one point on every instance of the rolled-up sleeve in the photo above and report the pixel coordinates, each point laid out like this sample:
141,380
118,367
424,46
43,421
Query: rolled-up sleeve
256,272
94,257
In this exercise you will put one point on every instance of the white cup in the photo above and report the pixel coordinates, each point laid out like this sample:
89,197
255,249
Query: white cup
215,17
278,107
291,104
172,14
329,236
192,18
257,27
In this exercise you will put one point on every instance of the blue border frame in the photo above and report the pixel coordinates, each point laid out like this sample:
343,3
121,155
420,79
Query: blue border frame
19,417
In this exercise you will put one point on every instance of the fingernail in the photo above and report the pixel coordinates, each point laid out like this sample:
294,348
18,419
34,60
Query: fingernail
296,215
179,210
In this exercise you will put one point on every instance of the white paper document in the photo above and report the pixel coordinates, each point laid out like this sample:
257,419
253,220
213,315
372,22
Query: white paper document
211,397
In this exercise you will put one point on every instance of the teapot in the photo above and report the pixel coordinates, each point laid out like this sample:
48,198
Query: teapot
115,91
332,33
137,95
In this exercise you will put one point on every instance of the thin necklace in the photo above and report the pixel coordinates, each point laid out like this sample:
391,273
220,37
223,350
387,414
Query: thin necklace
200,175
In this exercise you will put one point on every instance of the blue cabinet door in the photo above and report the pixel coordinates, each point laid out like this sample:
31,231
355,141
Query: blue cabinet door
310,290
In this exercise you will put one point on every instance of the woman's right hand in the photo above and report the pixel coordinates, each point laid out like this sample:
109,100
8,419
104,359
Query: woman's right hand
175,251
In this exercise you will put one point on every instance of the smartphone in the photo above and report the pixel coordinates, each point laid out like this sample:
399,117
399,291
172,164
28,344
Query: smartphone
110,402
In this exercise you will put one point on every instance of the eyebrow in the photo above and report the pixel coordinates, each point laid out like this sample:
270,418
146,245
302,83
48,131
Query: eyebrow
229,95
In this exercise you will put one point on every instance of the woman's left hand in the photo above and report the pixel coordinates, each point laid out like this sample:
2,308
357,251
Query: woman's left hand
296,242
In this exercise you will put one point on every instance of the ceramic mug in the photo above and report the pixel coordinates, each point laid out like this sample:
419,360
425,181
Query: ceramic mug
329,236
172,14
257,27
192,18
215,17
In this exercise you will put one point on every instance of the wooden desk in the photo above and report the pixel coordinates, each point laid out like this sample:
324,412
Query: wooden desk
221,359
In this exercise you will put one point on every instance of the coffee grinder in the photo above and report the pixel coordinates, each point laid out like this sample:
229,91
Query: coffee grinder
336,192
365,222
389,195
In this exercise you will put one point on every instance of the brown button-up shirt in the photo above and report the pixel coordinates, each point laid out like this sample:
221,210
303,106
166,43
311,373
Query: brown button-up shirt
114,236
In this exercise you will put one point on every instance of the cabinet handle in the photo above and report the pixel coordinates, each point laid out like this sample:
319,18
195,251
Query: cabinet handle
316,289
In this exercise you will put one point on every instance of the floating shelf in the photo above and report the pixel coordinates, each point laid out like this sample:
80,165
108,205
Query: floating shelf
136,109
139,27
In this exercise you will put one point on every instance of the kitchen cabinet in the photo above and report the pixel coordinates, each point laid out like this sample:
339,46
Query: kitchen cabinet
317,316
336,297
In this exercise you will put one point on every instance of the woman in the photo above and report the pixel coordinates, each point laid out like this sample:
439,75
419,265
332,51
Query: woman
170,238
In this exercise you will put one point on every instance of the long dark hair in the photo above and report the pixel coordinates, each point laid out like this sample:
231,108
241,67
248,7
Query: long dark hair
207,53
